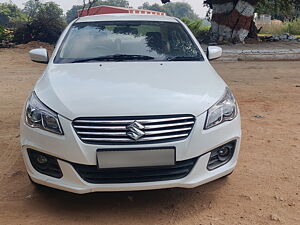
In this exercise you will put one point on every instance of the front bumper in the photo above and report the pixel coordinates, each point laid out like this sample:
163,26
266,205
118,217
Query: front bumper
69,149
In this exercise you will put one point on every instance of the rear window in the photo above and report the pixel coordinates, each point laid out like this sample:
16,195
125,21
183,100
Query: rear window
127,41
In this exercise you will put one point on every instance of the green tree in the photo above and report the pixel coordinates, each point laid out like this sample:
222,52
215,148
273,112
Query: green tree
119,3
48,22
200,31
45,23
177,9
72,13
10,15
31,8
279,9
154,7
180,9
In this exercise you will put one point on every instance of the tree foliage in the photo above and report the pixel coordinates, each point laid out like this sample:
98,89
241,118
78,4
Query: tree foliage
176,9
154,7
5,34
31,8
198,28
10,15
72,13
45,22
279,9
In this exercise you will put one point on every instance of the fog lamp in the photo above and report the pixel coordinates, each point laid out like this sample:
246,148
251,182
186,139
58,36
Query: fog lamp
44,163
224,153
221,155
41,159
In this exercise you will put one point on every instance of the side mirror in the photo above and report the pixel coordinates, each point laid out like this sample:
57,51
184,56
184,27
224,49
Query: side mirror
214,52
39,55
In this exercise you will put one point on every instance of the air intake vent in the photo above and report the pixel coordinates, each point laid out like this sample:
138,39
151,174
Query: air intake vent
133,130
92,174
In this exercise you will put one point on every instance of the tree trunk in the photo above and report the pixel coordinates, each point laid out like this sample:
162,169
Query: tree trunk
231,19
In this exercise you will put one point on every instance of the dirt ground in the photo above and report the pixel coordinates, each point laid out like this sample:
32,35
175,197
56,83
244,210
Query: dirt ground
264,189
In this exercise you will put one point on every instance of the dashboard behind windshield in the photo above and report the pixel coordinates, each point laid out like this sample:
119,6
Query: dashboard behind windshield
127,41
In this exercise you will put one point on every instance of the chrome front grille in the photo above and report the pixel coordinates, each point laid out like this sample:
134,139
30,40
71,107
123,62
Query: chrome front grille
133,130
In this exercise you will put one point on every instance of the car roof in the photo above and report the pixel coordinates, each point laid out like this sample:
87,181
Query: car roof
126,17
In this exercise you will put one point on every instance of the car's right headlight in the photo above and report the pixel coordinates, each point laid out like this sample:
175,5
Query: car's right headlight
37,115
224,110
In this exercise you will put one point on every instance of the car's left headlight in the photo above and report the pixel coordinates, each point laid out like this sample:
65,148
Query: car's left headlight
37,115
224,110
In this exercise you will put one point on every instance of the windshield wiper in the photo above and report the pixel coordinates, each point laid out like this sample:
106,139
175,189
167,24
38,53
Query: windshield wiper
184,58
117,57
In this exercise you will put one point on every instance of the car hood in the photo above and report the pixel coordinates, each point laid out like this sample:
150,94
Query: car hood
129,88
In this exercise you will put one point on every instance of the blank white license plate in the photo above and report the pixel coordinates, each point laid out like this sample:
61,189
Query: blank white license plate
135,158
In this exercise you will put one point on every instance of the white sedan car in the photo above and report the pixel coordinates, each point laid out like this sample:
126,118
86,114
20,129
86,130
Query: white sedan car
129,102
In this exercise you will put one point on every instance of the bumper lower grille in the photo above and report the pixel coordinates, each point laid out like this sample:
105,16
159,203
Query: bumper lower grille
133,130
92,174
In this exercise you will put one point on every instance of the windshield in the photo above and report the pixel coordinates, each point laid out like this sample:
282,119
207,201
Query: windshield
127,41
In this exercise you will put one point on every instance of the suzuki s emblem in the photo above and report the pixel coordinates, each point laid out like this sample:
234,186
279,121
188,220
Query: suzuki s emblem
134,130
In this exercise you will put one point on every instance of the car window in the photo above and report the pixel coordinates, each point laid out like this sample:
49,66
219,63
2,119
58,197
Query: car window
144,40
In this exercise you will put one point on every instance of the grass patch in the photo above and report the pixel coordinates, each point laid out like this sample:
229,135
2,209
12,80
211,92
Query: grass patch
281,28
